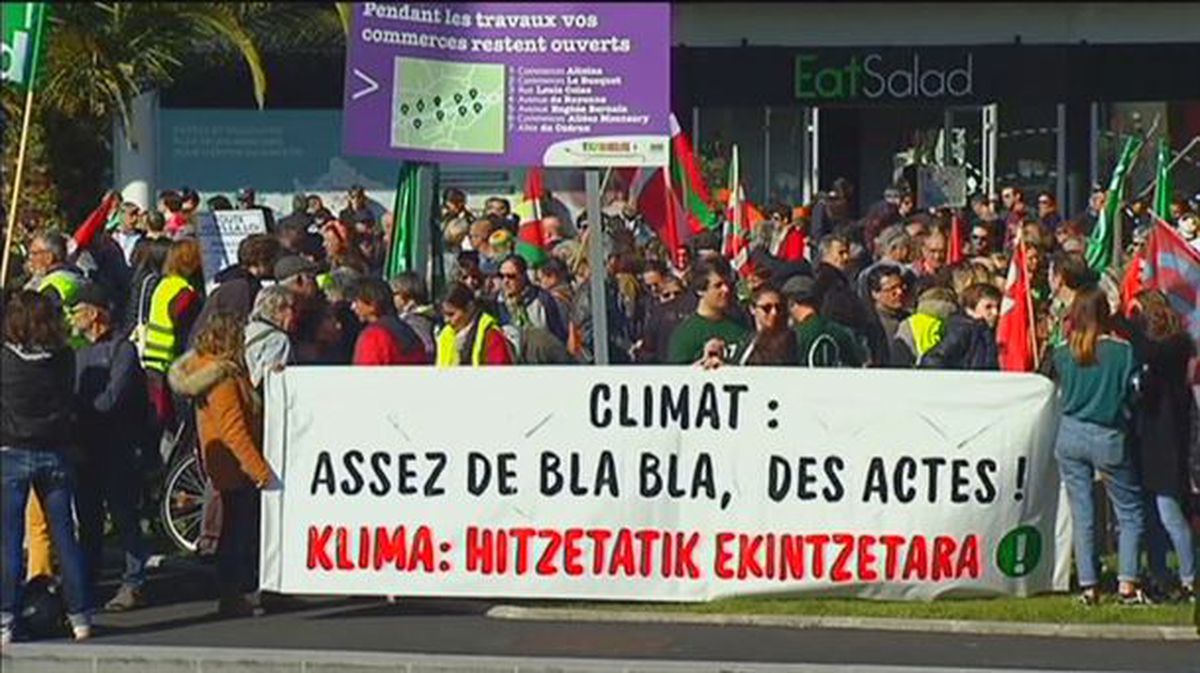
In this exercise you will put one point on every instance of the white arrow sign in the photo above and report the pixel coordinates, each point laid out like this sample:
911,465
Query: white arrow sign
372,85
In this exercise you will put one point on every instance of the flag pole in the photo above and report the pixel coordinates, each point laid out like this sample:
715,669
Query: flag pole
1171,166
1029,305
24,142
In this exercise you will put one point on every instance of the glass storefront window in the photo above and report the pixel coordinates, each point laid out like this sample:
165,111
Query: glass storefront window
720,128
1027,149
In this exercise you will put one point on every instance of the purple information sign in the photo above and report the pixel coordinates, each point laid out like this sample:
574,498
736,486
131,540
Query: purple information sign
516,84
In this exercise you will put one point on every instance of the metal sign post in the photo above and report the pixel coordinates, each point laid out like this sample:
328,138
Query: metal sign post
598,272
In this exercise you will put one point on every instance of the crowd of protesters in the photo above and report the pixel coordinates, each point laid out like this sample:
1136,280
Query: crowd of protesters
111,345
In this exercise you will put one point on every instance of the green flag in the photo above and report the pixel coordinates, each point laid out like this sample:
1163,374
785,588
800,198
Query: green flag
1099,253
412,211
23,45
1163,187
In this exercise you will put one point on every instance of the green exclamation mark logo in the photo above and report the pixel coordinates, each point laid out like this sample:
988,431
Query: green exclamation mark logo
1019,551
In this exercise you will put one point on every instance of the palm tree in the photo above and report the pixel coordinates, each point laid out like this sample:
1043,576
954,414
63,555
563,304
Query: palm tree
101,55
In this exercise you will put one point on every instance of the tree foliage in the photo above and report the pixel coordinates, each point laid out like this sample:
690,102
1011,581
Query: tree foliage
101,55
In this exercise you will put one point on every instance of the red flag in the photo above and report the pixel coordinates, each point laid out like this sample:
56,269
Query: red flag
1131,283
1014,335
531,240
86,232
650,189
688,184
535,185
955,254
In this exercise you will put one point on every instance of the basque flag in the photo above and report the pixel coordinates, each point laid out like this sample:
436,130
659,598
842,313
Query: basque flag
1168,264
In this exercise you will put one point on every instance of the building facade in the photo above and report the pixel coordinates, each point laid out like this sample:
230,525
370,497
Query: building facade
1027,94
1032,95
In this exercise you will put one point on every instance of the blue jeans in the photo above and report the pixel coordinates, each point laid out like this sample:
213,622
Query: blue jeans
1171,523
111,482
50,474
1082,449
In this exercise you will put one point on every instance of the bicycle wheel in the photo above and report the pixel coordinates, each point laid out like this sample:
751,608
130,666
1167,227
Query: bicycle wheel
182,505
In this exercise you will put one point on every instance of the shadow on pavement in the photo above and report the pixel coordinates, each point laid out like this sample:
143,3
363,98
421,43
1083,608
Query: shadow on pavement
411,607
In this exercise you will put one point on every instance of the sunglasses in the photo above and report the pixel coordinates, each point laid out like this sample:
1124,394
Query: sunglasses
669,295
510,276
768,308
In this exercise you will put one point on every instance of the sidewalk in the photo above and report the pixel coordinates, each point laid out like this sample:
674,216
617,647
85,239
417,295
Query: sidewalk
986,628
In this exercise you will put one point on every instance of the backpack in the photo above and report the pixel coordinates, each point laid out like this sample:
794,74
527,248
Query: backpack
43,608
138,334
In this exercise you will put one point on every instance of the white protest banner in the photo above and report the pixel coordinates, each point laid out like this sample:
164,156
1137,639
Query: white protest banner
660,483
220,232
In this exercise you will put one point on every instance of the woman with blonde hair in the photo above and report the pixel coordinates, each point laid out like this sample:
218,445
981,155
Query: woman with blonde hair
1094,370
1164,423
229,427
174,306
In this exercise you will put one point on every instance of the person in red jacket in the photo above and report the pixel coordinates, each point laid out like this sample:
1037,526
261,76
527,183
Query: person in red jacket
788,240
385,339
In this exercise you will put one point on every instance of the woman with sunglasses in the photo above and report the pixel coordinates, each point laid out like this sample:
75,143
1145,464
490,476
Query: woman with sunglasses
773,342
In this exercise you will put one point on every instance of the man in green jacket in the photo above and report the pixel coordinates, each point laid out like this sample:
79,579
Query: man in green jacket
711,320
821,342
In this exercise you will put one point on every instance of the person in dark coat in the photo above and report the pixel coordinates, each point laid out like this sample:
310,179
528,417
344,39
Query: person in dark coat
1163,420
674,305
147,259
840,303
110,397
239,284
969,341
37,378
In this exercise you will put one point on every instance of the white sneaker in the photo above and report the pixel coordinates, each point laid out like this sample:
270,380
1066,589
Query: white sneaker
81,632
6,636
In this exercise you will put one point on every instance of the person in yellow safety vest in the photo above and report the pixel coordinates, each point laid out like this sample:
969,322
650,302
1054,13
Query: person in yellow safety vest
922,330
47,265
470,337
174,306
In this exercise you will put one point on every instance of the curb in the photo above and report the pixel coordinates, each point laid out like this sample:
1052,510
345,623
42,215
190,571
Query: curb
72,658
983,628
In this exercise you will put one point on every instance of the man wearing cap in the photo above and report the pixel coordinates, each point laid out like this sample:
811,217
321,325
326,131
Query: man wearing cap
239,284
245,201
112,406
299,275
820,342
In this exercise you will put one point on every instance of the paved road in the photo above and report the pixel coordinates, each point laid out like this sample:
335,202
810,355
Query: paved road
185,618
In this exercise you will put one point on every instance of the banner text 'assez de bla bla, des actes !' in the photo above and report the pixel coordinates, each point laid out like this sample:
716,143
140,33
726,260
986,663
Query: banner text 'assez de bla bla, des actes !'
661,484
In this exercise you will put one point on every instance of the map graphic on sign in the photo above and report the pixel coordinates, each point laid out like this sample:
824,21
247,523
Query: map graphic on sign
447,106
